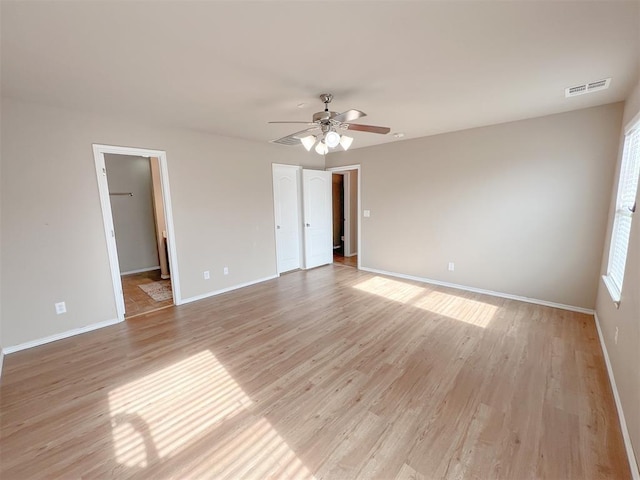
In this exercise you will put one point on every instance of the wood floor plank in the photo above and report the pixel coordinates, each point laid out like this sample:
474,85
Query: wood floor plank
331,373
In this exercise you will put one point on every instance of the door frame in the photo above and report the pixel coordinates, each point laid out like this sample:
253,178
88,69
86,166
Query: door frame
107,217
346,212
348,168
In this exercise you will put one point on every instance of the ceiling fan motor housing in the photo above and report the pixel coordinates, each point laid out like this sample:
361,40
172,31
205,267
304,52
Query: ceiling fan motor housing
325,116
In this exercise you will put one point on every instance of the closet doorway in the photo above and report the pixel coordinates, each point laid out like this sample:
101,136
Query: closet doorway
134,195
302,214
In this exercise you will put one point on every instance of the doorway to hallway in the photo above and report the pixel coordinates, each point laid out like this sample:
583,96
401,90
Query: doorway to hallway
346,221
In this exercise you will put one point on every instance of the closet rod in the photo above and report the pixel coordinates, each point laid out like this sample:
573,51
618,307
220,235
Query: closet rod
126,193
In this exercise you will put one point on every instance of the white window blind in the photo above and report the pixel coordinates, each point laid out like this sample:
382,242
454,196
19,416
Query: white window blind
625,208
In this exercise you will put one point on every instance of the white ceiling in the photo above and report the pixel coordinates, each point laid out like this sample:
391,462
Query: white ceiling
229,67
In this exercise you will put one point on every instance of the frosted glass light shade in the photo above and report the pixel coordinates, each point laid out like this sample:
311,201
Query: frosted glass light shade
308,142
321,148
346,142
332,139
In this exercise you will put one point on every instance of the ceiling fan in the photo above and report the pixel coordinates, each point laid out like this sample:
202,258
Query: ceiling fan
327,124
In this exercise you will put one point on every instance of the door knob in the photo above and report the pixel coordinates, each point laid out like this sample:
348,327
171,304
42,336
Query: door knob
278,227
308,225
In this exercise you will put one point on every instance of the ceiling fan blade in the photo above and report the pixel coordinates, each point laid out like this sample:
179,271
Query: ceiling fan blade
306,123
349,115
368,128
294,138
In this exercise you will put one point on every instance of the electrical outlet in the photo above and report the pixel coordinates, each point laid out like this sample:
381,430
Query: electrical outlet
452,266
61,307
225,270
615,337
206,275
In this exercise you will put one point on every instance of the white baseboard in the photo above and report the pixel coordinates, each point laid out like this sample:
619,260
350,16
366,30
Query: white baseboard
480,290
352,254
1,360
141,270
59,336
635,473
225,290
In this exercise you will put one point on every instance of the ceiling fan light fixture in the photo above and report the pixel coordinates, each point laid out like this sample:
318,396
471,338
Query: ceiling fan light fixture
328,125
321,148
346,142
332,139
308,142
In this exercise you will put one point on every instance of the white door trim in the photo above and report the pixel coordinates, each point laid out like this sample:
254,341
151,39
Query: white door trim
351,168
107,217
346,212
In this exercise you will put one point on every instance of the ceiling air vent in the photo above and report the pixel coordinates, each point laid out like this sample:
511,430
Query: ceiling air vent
587,88
290,140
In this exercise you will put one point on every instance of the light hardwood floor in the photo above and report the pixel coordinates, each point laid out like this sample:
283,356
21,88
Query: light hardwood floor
330,373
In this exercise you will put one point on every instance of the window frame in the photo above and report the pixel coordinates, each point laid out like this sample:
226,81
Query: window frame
625,207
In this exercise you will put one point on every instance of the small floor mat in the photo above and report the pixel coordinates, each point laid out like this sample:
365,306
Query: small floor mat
159,291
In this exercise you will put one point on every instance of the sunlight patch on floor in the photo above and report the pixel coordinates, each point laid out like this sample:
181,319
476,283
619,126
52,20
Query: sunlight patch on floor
456,307
164,413
390,289
463,309
258,452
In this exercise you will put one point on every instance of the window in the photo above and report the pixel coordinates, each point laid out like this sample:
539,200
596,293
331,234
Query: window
625,207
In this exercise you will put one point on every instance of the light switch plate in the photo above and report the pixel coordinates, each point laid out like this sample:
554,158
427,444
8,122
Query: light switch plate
367,213
61,307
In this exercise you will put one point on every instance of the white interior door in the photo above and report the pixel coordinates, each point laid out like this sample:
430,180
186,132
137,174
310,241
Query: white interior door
318,217
286,199
107,218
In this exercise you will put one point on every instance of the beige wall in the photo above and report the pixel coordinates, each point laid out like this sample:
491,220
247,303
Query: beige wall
133,216
520,208
625,355
53,243
1,227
